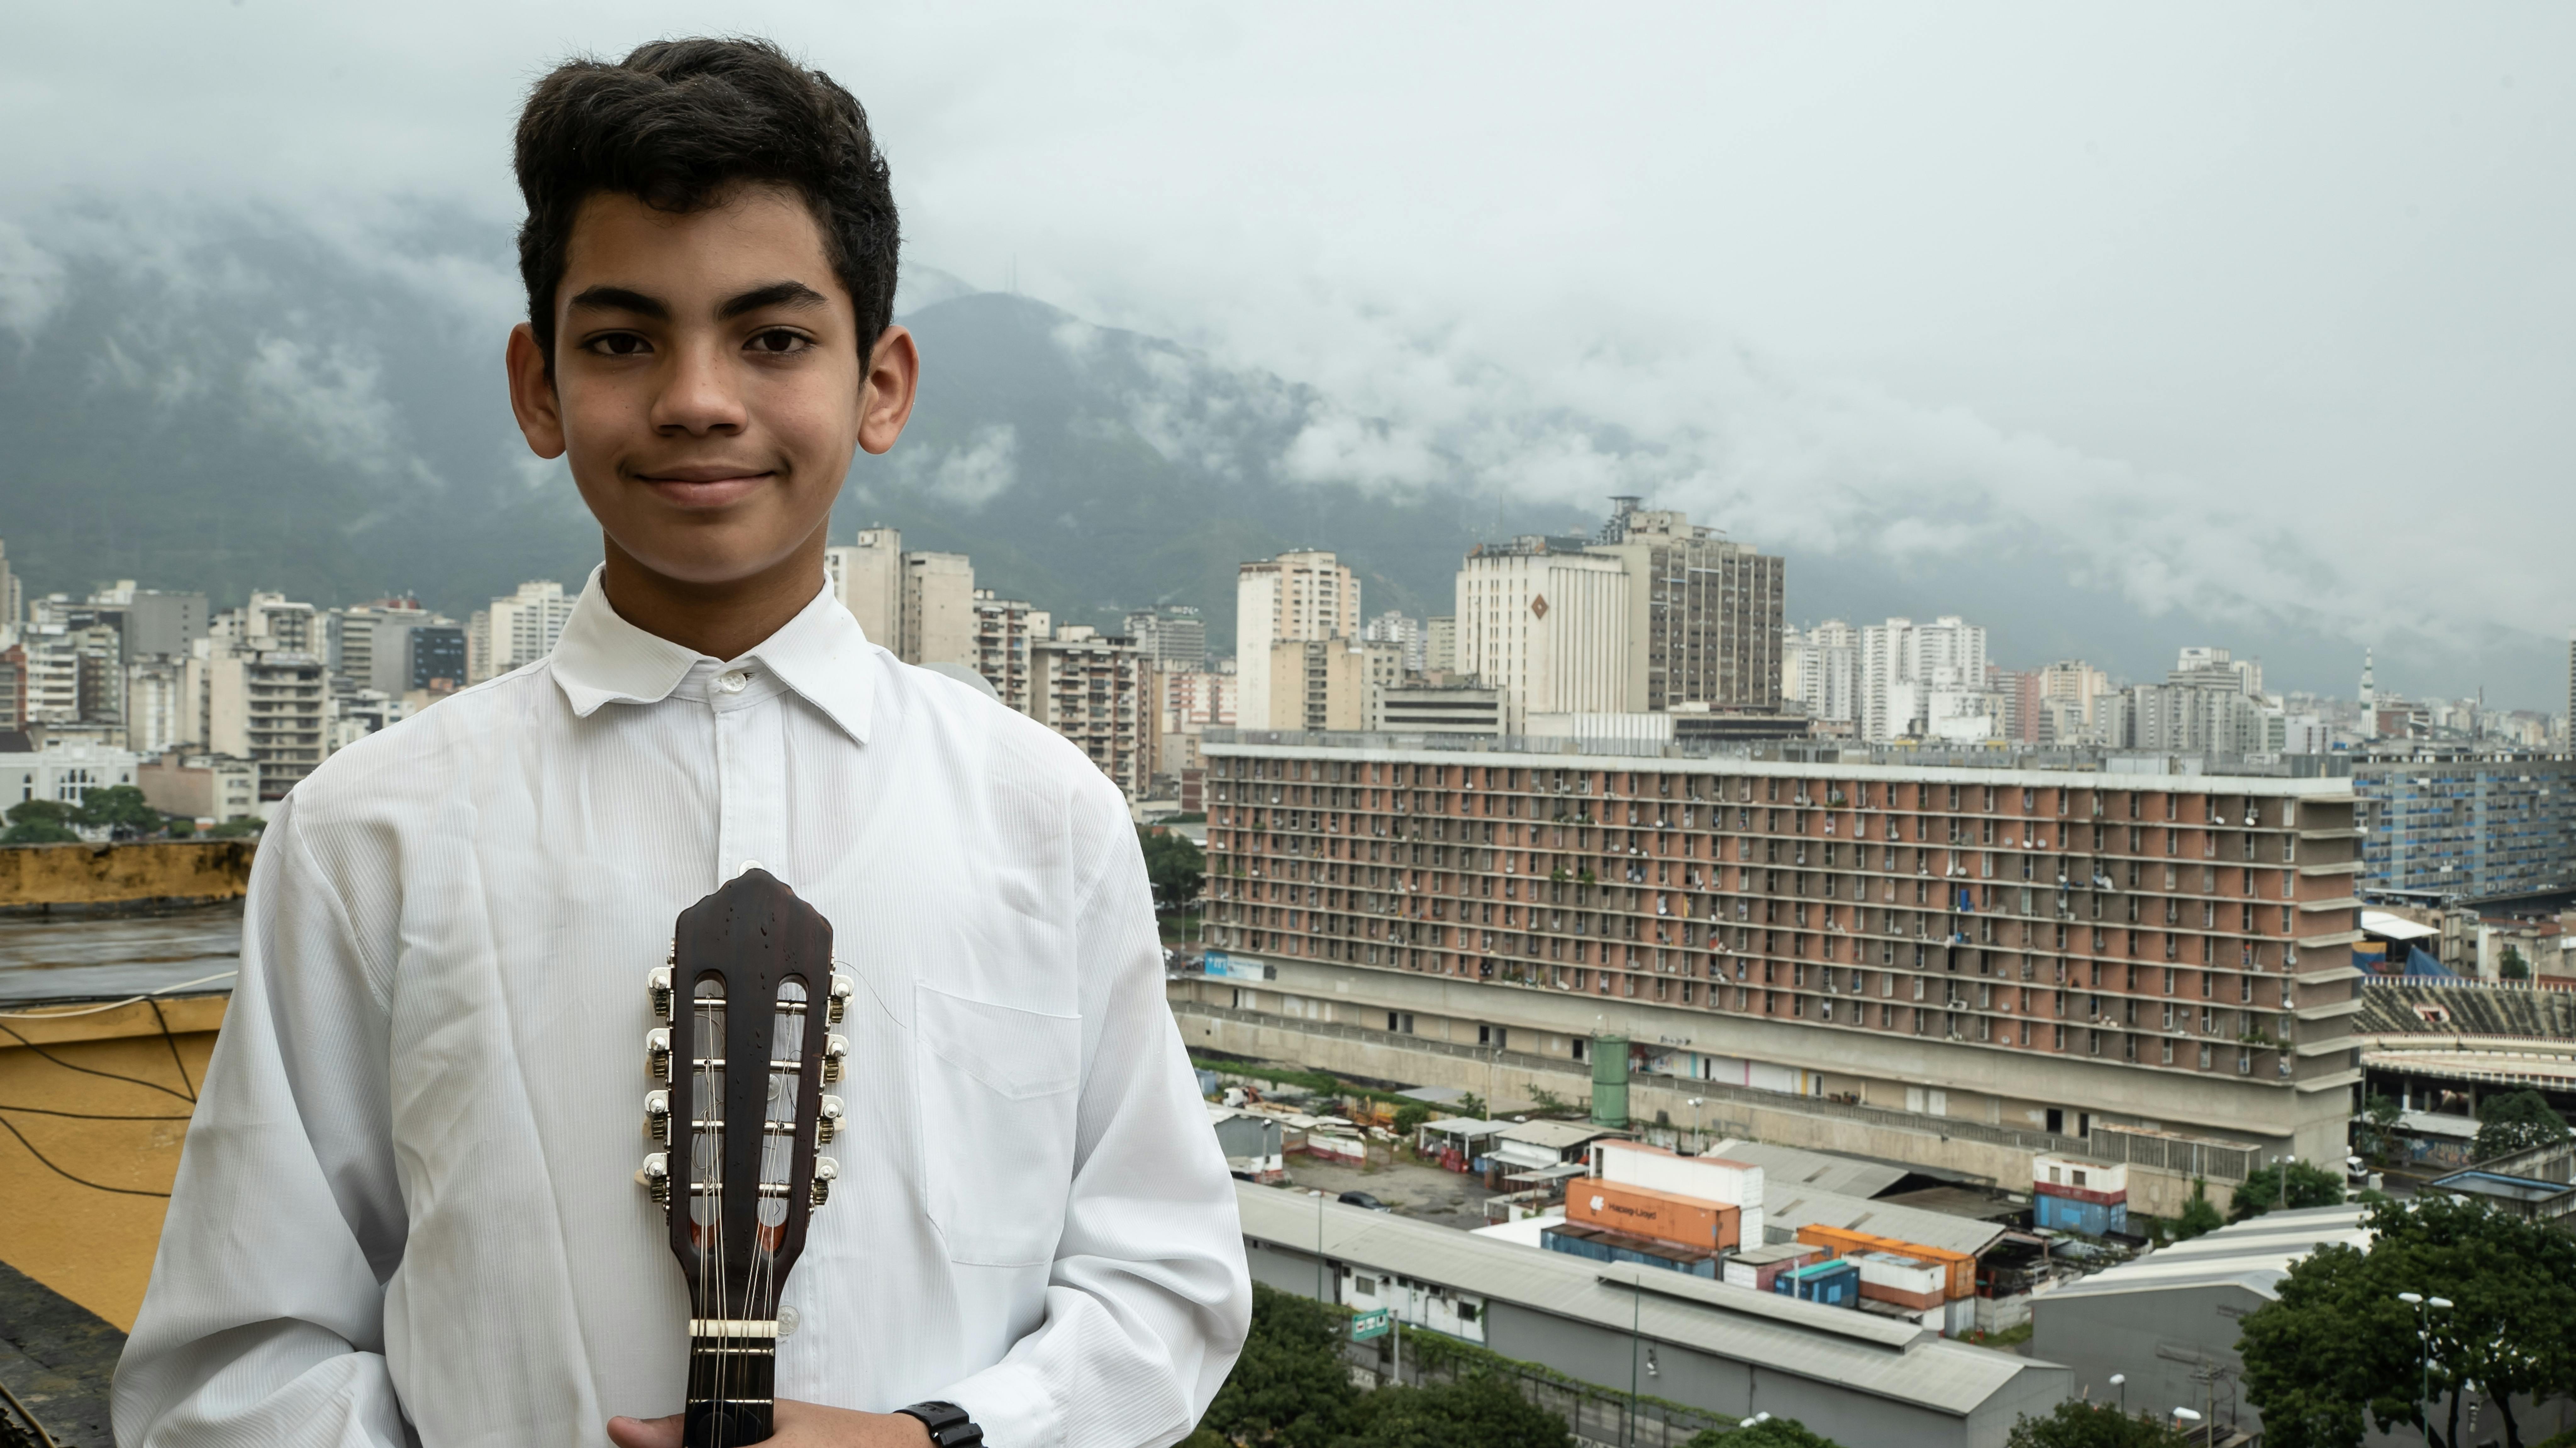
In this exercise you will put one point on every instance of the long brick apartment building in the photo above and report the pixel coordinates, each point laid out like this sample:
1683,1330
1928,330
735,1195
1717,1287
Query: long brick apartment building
2162,950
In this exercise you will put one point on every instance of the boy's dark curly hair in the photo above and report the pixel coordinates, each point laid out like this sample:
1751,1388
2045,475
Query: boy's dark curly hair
678,122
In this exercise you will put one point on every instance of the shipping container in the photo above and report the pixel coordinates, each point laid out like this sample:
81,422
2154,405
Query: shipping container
1759,1267
1833,1282
1842,1242
1599,1245
1645,1212
1707,1178
2068,1214
1905,1281
2079,1194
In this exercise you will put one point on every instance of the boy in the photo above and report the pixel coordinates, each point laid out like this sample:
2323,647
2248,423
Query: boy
406,1212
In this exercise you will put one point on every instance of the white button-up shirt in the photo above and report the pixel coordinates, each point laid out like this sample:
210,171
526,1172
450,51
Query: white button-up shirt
407,1208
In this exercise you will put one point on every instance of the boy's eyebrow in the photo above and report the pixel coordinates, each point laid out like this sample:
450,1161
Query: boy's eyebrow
776,294
620,299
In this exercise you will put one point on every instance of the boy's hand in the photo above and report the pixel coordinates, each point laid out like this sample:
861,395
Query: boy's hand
796,1425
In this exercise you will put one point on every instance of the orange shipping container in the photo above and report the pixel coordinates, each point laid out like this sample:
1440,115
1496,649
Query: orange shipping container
1645,1212
1844,1242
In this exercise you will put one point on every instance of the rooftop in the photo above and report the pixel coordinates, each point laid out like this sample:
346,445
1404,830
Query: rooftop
2254,1254
1866,1354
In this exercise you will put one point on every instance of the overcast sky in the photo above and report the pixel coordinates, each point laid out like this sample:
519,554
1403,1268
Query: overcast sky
2257,316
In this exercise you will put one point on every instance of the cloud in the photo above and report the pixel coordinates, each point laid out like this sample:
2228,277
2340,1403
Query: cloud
31,282
331,401
972,475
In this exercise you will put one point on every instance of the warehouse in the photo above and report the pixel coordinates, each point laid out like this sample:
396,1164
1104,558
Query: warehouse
1854,1377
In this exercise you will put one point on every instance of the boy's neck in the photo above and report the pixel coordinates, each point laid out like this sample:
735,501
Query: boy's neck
720,620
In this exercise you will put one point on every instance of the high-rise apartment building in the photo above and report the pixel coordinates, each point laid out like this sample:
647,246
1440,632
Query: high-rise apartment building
868,578
2157,952
13,602
1173,636
1440,644
1396,627
517,630
1099,692
1545,621
2445,825
1297,596
159,714
1820,670
1704,613
2203,667
1006,629
267,706
938,609
1903,665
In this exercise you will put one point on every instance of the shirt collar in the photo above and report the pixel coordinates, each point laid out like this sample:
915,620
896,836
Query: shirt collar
821,653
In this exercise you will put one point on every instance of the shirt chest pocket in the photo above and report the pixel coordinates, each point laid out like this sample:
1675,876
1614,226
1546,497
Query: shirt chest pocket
997,1089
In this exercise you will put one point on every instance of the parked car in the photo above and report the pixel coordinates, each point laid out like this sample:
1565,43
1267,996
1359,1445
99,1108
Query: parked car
1363,1199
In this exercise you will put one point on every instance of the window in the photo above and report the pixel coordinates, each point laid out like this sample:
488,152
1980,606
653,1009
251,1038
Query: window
1400,1022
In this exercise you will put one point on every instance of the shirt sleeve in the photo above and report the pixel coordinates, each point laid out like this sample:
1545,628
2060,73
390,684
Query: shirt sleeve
264,1321
1149,1298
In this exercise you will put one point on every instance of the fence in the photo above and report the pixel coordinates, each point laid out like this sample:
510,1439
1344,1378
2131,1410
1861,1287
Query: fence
1593,1414
2183,1156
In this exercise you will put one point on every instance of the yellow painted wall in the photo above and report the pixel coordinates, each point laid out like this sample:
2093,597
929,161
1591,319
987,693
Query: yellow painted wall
91,1246
107,874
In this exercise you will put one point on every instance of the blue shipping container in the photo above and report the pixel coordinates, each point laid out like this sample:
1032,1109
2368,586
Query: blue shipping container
1834,1283
2066,1214
1603,1247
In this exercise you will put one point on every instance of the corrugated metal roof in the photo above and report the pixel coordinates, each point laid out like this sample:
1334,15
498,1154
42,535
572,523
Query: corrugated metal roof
1895,1360
1555,1135
2255,1254
1791,1207
1848,1175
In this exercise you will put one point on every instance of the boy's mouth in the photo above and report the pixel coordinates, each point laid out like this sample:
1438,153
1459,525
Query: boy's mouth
706,486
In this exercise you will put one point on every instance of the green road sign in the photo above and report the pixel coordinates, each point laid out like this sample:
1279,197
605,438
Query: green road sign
1373,1323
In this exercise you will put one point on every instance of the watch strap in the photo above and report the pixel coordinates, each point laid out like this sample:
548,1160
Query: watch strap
948,1424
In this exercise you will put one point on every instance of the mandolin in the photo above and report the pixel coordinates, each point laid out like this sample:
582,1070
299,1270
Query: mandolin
738,1174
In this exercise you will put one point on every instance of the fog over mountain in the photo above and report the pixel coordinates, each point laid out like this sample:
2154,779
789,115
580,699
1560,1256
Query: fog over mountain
225,398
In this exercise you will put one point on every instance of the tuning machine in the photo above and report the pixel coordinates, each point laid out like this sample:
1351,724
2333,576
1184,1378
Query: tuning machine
826,1171
657,1116
657,1053
657,988
827,1120
655,1177
843,986
836,1049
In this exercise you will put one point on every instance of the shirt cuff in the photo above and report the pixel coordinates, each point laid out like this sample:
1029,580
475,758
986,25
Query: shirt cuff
1012,1404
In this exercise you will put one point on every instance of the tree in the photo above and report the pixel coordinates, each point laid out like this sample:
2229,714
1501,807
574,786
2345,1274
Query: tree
1472,1106
2513,966
119,807
2079,1424
1290,1386
2515,1121
1480,1410
1410,1116
2381,1115
45,811
2337,1353
236,827
2198,1216
1176,867
1769,1433
38,832
2309,1186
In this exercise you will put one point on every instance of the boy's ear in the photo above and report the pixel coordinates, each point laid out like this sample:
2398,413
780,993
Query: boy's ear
532,394
886,393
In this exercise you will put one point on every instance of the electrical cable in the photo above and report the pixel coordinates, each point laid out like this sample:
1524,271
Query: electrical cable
42,1437
93,1071
173,1043
67,1176
114,1005
92,1115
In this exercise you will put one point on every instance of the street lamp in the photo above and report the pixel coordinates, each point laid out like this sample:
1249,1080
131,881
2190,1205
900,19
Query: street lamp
2121,1381
2184,1418
2424,1355
1696,1103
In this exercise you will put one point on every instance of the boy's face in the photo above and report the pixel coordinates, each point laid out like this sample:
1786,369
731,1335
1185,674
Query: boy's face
709,382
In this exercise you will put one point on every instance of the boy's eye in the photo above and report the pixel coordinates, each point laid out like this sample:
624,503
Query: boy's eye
618,344
778,341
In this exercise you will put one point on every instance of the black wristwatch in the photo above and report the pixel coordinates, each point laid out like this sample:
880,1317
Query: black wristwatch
948,1424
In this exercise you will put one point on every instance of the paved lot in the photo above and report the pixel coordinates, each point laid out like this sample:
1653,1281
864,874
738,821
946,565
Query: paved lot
1424,1193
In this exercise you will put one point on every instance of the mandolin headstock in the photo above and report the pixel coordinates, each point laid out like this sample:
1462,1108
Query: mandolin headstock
751,971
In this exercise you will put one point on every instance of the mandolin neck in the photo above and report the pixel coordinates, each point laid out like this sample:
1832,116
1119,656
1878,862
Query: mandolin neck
732,1380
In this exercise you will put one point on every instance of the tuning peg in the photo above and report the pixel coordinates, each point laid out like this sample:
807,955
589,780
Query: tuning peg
826,1171
836,1048
657,1116
657,1053
843,985
655,1177
657,989
827,1120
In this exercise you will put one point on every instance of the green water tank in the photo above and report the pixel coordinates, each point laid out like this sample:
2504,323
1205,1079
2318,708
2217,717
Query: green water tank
1610,1080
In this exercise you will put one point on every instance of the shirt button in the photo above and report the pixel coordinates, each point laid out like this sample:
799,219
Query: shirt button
731,681
787,1322
747,867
